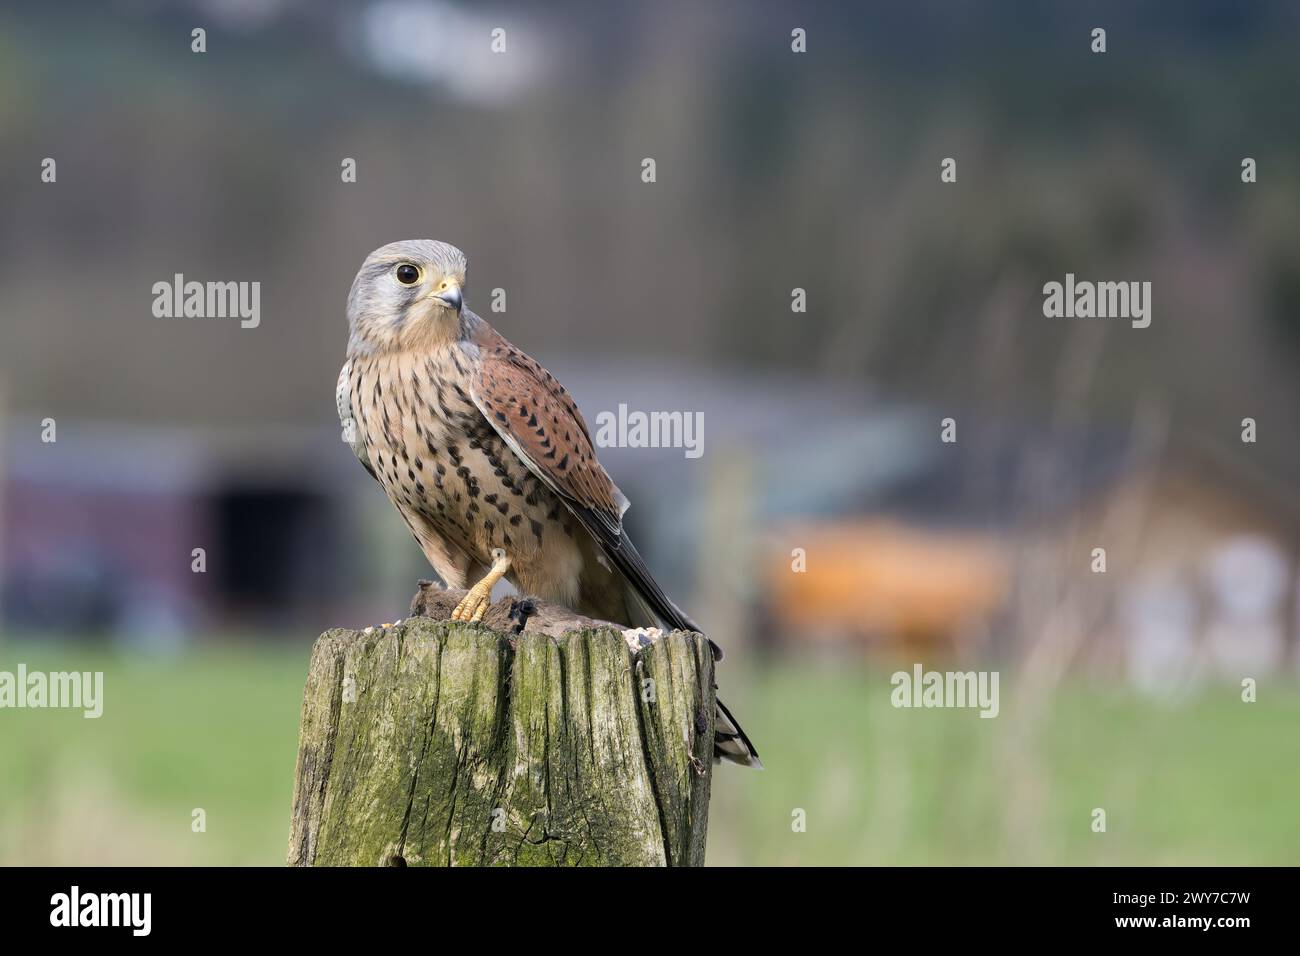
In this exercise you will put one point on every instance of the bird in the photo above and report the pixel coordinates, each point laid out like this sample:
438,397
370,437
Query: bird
486,456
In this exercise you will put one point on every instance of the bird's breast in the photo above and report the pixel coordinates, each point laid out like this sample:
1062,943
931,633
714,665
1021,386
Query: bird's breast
448,472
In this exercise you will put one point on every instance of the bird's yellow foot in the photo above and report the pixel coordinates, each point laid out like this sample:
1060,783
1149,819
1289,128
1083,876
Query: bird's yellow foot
475,603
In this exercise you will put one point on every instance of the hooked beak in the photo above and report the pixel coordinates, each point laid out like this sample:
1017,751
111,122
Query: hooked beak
450,296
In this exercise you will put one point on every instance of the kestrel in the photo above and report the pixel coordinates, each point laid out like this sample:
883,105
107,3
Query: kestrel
486,457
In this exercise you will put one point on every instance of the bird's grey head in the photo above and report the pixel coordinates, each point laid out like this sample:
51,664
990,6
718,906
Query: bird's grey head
407,294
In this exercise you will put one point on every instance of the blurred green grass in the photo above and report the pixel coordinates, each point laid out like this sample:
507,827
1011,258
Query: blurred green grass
214,729
1205,779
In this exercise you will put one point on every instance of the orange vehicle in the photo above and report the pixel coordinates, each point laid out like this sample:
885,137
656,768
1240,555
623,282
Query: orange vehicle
884,583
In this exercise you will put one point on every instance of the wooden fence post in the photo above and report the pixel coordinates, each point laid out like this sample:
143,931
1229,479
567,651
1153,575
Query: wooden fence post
532,739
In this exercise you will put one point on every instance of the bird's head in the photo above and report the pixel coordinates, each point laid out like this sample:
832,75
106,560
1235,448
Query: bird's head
406,294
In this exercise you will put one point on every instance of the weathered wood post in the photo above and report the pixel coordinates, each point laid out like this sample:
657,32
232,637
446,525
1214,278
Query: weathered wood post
537,738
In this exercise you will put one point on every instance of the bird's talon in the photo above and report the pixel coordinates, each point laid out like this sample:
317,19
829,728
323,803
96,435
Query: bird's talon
473,605
478,599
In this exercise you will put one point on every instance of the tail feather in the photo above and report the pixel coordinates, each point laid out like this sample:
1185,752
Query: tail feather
648,606
730,742
649,595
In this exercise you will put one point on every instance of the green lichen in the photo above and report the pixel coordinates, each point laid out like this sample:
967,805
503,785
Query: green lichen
435,743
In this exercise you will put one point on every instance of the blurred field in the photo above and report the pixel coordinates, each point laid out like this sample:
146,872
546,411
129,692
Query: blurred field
215,729
1181,782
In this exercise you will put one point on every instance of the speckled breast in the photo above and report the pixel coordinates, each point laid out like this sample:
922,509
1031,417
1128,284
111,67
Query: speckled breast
441,462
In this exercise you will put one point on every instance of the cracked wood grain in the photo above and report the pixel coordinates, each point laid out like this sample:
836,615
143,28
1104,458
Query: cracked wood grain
440,743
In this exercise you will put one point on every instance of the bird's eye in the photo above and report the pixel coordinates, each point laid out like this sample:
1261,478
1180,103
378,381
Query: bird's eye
407,274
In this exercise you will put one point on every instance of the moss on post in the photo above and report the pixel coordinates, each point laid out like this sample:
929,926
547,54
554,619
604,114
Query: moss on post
436,743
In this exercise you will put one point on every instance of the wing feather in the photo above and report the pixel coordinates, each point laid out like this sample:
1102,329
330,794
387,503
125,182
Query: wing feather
541,423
